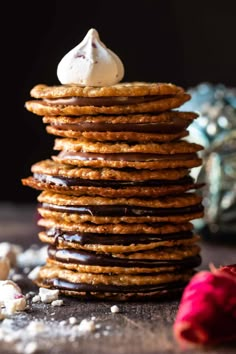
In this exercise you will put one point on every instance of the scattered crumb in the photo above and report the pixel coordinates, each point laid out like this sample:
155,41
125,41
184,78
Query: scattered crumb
16,277
72,320
34,273
35,327
115,309
36,298
31,348
57,303
86,326
62,323
48,295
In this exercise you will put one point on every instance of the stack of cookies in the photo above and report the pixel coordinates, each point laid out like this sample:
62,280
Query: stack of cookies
117,197
117,200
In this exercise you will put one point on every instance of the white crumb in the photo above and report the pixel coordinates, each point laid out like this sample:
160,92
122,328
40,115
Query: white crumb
16,277
115,309
86,326
35,327
57,303
34,273
72,320
62,323
31,348
36,298
48,295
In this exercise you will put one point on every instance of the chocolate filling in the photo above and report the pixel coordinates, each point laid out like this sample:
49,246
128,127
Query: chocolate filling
81,287
113,239
176,126
122,210
66,181
138,157
69,255
103,101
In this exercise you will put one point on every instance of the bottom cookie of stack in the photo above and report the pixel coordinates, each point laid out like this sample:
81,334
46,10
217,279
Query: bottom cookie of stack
118,261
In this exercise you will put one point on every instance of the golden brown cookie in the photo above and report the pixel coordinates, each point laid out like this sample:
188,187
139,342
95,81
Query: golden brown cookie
167,126
51,176
162,104
101,210
180,201
63,131
88,146
164,122
110,243
147,261
108,188
129,160
53,168
116,287
136,229
121,89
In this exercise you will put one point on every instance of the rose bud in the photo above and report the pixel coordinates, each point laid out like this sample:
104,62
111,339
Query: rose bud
207,310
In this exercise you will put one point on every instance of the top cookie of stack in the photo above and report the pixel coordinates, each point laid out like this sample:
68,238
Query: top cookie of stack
117,200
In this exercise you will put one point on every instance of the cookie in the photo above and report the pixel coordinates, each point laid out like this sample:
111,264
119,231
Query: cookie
112,189
88,146
164,127
54,108
52,168
160,229
122,89
129,160
58,179
101,210
110,243
107,287
64,131
147,261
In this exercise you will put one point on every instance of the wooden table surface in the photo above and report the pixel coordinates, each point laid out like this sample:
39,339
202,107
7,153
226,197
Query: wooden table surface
139,327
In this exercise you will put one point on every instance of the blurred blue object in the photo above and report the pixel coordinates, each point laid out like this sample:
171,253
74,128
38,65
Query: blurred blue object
215,130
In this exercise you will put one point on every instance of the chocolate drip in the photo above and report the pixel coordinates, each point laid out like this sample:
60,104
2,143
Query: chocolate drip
122,210
62,284
68,255
113,239
88,156
175,126
104,101
65,181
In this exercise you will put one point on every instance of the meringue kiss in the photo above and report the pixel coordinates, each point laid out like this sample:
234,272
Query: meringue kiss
90,63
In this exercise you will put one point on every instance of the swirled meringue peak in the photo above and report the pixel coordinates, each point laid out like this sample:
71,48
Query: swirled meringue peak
90,63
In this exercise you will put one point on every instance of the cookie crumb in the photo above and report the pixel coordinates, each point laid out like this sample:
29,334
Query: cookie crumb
57,303
34,273
72,320
86,326
115,309
36,298
31,348
48,295
17,277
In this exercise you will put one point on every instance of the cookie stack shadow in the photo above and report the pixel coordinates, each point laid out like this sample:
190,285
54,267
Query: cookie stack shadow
117,202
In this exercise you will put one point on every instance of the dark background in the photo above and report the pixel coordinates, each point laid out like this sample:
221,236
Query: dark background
184,42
